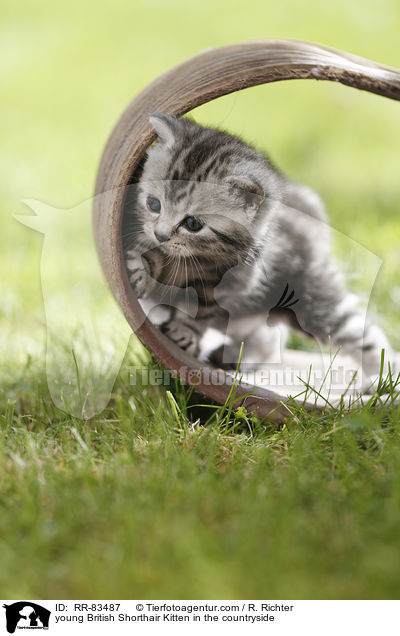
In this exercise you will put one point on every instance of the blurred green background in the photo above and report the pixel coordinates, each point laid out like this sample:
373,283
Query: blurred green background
67,72
69,69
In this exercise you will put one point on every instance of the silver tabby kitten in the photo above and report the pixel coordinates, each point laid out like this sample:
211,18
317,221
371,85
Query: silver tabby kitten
213,214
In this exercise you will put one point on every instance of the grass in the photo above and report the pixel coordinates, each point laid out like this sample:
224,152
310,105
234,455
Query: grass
152,497
170,506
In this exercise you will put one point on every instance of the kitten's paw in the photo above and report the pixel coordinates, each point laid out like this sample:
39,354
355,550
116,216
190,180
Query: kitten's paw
183,335
139,278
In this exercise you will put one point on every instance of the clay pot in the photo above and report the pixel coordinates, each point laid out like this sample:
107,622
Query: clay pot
197,81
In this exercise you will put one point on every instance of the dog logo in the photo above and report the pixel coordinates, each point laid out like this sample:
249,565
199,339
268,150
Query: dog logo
26,615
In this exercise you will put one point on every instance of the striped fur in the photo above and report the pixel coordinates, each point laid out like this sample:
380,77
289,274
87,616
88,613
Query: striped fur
261,256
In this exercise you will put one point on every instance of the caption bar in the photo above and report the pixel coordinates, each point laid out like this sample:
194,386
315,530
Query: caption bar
144,617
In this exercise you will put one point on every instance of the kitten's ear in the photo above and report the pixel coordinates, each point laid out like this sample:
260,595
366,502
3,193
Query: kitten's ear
167,128
249,191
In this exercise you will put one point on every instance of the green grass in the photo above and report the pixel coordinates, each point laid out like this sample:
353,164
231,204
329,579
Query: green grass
143,503
153,498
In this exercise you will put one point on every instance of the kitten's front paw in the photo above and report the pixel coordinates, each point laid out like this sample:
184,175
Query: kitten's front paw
182,335
225,357
139,278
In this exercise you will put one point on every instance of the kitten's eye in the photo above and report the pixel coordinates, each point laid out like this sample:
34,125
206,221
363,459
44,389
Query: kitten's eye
153,204
192,224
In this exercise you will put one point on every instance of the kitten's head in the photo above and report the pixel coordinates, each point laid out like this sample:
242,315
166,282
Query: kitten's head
203,193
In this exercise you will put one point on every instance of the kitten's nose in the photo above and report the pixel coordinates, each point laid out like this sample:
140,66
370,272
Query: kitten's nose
161,235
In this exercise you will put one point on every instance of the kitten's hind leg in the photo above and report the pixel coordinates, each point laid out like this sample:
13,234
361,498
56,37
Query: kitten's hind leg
339,321
361,338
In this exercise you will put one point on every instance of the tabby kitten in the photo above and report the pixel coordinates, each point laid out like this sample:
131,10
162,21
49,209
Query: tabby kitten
213,214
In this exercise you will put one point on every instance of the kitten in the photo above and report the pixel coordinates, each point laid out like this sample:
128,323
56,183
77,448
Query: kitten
213,214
